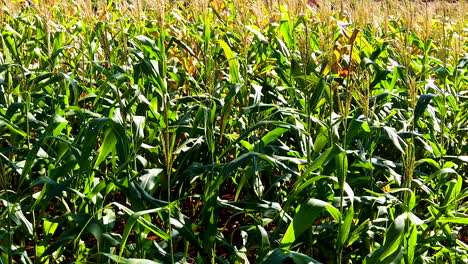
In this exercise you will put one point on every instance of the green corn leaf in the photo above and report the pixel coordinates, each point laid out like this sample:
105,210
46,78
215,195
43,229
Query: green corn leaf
55,125
256,31
10,43
462,245
279,256
49,227
59,50
359,232
136,217
139,123
334,212
395,138
262,123
232,61
329,154
321,140
393,242
90,140
412,244
242,181
354,129
143,195
454,188
6,53
11,164
184,226
228,105
149,179
10,126
273,135
346,226
439,174
341,161
266,207
318,89
264,242
122,146
459,158
247,145
61,241
453,220
209,115
56,189
21,218
233,165
300,187
430,161
282,74
97,231
107,146
286,33
121,260
184,46
304,219
422,104
296,72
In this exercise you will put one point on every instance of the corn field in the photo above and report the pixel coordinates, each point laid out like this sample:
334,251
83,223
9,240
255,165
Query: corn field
228,131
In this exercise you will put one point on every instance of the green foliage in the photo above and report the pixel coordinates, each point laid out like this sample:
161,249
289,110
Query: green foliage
202,139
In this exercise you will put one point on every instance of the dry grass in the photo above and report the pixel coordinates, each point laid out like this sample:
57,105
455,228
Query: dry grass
361,11
443,22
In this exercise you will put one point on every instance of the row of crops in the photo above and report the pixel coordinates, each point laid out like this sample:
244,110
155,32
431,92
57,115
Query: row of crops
233,132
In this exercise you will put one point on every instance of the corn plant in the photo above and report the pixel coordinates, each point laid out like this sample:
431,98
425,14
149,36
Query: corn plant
233,132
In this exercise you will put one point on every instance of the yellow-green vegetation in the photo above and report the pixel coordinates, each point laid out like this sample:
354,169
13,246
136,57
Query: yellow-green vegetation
217,131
